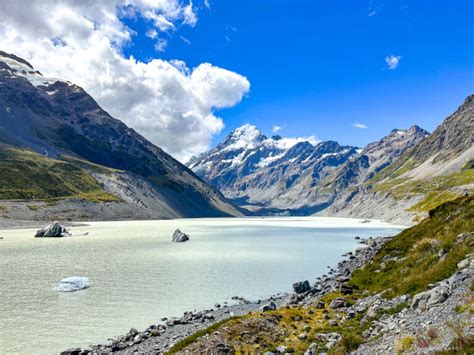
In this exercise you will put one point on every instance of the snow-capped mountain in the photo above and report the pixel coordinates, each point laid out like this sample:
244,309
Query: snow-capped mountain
275,173
297,176
244,151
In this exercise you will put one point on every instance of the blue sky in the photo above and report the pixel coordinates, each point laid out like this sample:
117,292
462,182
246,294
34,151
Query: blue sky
318,67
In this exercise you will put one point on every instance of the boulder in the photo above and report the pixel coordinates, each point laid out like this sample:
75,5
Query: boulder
269,307
345,289
430,298
74,351
74,283
54,230
302,336
179,237
312,349
338,303
302,286
464,263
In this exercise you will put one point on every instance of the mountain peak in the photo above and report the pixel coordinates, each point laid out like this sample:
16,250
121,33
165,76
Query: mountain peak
15,58
21,68
247,137
413,130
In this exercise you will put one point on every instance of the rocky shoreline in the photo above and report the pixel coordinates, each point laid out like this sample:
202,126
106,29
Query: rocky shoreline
158,338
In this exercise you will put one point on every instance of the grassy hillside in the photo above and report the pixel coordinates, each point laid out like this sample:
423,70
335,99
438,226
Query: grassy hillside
405,265
27,175
436,190
413,255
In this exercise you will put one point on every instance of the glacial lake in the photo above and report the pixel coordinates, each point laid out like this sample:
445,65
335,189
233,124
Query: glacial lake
138,275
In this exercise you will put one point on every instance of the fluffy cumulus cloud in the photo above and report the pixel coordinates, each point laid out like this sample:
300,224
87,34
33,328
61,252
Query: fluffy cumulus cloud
82,41
392,61
359,125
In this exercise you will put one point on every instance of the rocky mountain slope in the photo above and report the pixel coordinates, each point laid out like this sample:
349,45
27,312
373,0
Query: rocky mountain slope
72,135
398,178
271,175
304,178
436,169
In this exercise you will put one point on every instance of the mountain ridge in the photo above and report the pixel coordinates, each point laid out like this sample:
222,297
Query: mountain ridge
57,118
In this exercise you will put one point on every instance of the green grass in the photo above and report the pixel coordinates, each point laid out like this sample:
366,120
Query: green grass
469,165
25,175
87,165
192,338
432,200
402,187
418,249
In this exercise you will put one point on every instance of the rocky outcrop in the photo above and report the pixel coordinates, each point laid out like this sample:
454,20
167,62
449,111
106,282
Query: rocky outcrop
54,230
179,237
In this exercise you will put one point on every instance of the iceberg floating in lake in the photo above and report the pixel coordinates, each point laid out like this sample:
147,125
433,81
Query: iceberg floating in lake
73,283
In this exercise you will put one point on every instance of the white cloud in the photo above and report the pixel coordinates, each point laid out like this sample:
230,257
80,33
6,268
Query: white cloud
359,125
189,15
81,41
276,129
161,45
207,4
392,61
185,40
287,142
152,33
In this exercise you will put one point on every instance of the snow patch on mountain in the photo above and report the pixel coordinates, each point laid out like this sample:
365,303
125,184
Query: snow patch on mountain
24,69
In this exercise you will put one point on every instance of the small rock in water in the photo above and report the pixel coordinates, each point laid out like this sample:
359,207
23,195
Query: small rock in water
54,230
73,283
179,237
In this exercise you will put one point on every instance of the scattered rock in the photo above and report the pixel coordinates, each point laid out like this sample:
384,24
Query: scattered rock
312,349
345,289
338,303
302,286
74,351
269,307
281,349
464,263
302,336
179,237
427,299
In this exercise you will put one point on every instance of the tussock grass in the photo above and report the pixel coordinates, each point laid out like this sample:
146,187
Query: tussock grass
192,338
25,175
417,250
